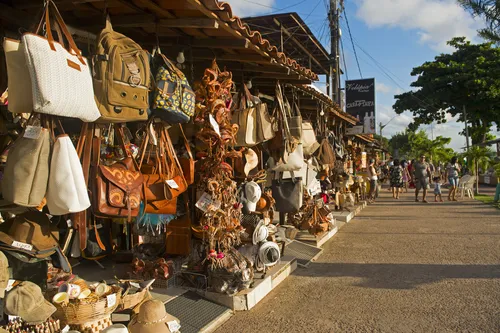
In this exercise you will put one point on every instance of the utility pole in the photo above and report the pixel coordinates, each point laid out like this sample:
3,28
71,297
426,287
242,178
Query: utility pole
466,129
334,16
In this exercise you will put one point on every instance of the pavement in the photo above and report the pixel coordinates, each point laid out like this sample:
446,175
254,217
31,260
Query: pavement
400,266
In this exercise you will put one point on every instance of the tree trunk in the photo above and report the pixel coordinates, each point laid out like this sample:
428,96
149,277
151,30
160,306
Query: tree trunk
477,176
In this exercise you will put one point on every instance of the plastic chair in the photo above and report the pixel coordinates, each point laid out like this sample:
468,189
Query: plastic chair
461,185
467,188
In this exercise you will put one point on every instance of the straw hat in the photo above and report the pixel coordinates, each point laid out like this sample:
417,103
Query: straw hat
264,204
252,161
116,328
152,318
4,274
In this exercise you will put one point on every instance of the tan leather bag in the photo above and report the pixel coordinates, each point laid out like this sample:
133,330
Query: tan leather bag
121,77
26,173
118,188
20,93
159,196
326,155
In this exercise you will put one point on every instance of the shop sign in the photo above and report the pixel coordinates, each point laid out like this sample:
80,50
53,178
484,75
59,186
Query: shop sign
354,130
360,102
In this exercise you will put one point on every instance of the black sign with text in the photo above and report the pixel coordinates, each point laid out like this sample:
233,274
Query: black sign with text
360,102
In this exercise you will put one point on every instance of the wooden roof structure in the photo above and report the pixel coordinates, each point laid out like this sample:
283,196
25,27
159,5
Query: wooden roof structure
294,37
203,29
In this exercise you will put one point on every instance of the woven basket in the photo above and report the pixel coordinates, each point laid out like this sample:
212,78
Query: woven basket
94,326
88,310
130,301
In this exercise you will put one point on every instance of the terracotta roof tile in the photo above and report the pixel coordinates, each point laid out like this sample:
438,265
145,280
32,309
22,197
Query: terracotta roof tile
225,13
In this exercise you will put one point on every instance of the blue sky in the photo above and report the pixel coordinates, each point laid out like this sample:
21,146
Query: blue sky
397,34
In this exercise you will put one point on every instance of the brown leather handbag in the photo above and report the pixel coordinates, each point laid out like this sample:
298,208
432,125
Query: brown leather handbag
179,234
187,163
160,193
118,187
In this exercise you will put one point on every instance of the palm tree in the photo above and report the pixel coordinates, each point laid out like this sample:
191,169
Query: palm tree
480,157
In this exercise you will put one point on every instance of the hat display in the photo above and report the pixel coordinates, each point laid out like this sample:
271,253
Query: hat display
252,161
116,328
260,233
252,194
27,301
153,318
4,274
30,233
269,253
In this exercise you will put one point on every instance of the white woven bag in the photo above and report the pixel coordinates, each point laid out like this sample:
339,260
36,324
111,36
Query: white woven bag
61,79
66,192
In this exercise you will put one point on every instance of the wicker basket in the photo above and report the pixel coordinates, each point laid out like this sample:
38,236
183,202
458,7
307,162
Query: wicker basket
88,310
130,301
94,326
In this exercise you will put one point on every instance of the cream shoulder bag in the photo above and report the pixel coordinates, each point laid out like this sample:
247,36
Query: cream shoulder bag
19,84
66,192
60,78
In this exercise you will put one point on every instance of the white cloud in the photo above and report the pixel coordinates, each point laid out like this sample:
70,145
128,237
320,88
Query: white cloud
383,88
244,8
436,22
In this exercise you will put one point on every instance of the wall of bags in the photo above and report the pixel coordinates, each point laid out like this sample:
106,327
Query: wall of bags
134,160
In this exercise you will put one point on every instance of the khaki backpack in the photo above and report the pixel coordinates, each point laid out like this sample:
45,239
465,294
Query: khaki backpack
121,77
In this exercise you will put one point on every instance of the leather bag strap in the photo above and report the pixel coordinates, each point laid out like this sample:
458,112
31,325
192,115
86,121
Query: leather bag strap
186,143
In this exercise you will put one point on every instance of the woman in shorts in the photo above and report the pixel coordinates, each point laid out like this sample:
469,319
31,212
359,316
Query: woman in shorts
452,172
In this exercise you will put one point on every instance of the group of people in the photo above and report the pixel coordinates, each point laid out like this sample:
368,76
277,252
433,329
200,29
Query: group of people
415,174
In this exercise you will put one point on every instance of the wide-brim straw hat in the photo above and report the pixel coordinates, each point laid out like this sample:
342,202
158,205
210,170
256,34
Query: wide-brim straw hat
260,233
269,253
152,318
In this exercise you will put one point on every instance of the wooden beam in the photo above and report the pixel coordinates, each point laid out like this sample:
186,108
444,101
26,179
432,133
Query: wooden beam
300,45
233,44
147,20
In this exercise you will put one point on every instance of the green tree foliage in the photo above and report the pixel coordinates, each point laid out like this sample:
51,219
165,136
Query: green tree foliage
384,142
489,10
479,157
412,145
468,77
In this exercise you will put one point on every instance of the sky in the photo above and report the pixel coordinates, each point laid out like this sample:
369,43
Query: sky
391,37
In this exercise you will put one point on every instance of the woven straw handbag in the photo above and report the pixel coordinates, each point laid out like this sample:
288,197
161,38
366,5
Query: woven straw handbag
60,78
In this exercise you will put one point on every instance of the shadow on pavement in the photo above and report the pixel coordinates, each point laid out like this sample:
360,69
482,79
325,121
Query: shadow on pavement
399,276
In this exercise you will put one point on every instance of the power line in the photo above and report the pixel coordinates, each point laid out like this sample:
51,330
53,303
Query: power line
343,57
352,42
276,10
312,11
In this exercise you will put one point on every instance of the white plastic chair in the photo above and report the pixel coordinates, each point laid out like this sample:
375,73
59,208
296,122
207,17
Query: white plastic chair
466,187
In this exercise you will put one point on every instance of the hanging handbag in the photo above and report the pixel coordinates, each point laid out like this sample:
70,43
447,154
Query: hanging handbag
187,163
245,117
19,82
67,191
295,120
288,193
309,142
118,187
174,100
60,78
326,155
292,157
165,183
307,173
26,172
264,124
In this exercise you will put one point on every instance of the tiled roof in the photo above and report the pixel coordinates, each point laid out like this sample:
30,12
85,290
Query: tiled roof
225,13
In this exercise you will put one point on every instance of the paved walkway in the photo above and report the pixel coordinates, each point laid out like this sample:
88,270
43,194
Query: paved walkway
398,267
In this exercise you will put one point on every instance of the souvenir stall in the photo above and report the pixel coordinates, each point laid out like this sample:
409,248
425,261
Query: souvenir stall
126,158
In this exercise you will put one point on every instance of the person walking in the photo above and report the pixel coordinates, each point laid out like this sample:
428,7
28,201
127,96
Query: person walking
452,174
373,177
396,178
421,178
406,175
437,189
